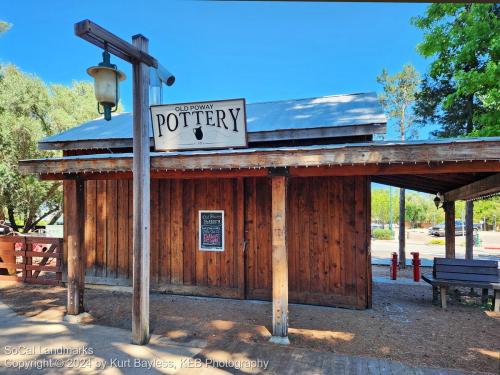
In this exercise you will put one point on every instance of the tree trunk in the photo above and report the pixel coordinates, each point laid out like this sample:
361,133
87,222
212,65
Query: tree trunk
469,229
55,218
402,240
470,114
12,219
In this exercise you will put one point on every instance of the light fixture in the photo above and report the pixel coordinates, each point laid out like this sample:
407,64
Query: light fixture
106,78
438,200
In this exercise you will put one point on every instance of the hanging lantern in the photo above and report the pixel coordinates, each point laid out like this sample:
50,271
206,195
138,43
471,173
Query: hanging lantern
438,200
106,78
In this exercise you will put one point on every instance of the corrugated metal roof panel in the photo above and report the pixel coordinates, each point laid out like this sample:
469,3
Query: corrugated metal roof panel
321,112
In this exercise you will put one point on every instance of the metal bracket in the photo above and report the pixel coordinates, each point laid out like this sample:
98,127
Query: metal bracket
278,171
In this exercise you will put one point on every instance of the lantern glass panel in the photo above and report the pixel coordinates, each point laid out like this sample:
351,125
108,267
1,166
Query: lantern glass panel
105,86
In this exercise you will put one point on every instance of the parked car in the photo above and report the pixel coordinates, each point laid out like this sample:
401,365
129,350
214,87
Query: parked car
438,230
5,228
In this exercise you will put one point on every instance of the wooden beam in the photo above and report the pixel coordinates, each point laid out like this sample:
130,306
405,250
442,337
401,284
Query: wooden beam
323,160
75,221
141,196
486,186
102,38
449,228
279,260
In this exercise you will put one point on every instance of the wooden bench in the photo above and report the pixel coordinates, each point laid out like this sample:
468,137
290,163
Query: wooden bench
466,273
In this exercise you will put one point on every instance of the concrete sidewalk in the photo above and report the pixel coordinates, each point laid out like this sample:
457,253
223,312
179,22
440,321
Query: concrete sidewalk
31,346
47,347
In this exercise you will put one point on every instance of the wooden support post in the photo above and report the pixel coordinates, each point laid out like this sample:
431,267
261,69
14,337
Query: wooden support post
279,260
402,238
449,228
484,296
75,221
496,300
469,229
443,297
141,192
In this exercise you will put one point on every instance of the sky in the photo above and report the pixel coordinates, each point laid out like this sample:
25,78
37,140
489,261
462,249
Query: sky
219,50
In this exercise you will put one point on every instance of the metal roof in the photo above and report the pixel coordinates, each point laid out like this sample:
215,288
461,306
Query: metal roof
322,112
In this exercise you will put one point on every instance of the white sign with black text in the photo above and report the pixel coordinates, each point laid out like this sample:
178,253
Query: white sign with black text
202,125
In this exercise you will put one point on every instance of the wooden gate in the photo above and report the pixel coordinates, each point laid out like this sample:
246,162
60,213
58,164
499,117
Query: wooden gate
31,259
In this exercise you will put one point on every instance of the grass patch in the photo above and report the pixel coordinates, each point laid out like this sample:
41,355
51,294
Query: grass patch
436,241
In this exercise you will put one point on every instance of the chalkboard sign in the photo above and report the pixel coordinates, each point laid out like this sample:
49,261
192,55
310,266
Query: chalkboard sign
211,230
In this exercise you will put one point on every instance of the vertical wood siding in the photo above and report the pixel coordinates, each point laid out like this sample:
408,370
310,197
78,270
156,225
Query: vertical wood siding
328,238
176,264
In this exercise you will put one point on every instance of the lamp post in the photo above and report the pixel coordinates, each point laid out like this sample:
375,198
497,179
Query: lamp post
136,54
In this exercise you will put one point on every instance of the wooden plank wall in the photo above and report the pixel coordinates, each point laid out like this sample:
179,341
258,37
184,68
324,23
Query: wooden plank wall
176,264
328,240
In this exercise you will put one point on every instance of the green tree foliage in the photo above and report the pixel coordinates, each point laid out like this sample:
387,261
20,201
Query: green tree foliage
420,208
29,111
398,98
380,205
4,26
461,91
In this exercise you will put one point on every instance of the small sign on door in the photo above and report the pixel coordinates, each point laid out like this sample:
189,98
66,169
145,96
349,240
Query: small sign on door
211,230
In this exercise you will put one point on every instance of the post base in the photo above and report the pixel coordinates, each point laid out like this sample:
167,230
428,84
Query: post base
280,340
84,317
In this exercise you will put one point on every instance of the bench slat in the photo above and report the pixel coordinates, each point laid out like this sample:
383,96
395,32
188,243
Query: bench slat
466,277
457,283
466,262
467,269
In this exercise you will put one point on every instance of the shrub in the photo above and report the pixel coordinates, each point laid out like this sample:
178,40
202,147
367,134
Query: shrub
382,234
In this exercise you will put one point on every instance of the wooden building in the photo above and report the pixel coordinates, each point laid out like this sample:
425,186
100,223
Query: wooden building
296,202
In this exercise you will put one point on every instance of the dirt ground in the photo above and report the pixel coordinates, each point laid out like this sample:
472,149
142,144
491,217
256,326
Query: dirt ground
403,324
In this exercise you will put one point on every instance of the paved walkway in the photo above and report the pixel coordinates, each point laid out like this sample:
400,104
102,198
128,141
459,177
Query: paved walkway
48,347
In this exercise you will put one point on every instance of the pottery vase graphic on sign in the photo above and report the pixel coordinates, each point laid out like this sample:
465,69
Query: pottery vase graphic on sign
202,125
198,133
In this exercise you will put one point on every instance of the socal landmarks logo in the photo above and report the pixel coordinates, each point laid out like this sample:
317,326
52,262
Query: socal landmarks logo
202,125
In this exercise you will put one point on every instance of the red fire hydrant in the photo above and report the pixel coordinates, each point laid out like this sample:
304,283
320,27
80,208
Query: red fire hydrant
394,266
416,266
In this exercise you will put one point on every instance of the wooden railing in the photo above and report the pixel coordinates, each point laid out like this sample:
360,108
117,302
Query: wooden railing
31,259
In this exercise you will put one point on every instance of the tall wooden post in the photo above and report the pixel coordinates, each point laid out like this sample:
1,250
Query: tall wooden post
75,221
469,229
449,228
402,238
279,260
141,192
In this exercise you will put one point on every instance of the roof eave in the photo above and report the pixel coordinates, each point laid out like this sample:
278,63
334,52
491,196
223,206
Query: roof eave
253,137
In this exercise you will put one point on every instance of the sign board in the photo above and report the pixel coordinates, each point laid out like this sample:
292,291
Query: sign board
202,125
211,230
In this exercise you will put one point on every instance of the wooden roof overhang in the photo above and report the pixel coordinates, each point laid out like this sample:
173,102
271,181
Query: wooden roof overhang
429,166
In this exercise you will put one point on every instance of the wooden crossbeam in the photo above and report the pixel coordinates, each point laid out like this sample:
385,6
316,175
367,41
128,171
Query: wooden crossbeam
420,159
45,259
102,38
477,189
